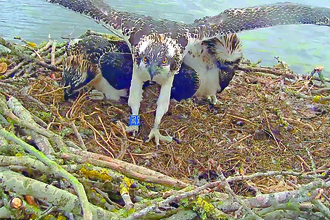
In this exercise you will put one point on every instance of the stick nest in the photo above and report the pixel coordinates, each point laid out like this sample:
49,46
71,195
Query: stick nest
270,119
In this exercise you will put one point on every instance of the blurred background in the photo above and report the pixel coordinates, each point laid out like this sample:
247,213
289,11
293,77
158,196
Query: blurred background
301,46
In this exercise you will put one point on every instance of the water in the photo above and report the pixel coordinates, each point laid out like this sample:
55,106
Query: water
302,46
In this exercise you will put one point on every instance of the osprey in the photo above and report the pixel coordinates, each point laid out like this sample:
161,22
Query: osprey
90,61
107,65
94,54
159,46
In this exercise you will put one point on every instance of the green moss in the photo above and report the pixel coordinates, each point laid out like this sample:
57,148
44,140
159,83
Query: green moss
66,131
293,206
206,209
93,174
45,116
61,217
42,44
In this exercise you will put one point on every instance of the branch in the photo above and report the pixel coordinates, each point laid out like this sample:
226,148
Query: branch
130,170
57,169
63,200
4,110
304,194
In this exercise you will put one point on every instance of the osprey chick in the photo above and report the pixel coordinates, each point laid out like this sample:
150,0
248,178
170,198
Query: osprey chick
89,62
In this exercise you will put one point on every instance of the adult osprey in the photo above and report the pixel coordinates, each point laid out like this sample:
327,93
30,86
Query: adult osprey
159,46
106,64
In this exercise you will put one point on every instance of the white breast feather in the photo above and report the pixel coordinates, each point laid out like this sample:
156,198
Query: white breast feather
199,59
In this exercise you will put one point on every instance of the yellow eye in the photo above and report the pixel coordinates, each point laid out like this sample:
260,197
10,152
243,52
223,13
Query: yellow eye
165,61
144,59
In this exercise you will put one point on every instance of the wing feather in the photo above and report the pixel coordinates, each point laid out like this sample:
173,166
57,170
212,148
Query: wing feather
117,69
240,19
185,83
127,25
132,27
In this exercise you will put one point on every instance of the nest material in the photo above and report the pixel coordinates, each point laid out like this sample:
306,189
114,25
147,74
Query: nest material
258,128
267,122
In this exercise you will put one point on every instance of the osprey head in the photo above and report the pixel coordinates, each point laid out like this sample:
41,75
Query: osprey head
227,51
158,54
77,73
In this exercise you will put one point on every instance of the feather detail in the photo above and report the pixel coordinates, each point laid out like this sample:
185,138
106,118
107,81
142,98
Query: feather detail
185,83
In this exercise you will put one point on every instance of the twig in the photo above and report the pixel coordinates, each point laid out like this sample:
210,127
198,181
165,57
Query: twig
124,192
124,142
59,60
323,209
52,53
71,144
106,197
12,71
49,44
41,141
274,71
95,131
165,204
47,93
311,159
306,193
301,95
319,91
273,173
235,198
49,66
303,162
25,161
46,212
39,121
81,141
2,84
271,131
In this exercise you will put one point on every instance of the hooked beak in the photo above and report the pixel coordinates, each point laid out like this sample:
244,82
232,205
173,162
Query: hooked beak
66,97
69,94
153,70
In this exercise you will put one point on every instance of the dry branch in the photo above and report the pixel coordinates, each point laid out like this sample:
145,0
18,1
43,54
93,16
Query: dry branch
128,169
56,170
61,199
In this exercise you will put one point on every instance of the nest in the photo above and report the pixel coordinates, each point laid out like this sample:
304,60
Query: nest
271,122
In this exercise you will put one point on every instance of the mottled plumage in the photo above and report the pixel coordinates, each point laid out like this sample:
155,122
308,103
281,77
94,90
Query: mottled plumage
88,61
85,64
215,60
152,41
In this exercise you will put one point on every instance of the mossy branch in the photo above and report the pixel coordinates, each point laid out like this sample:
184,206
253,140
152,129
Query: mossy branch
56,169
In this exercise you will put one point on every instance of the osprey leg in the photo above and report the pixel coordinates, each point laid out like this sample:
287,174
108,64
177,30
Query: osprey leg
213,100
134,100
163,103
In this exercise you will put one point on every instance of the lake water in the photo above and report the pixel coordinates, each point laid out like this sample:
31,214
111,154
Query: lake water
301,46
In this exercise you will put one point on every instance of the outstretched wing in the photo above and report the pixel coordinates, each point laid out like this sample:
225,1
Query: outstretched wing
126,25
239,19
